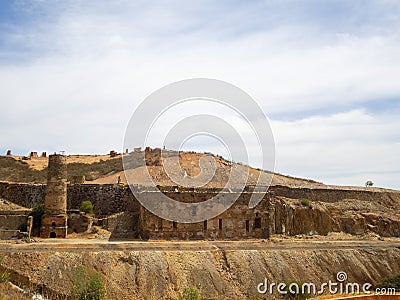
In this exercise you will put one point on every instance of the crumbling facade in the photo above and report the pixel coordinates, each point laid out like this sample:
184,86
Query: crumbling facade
54,220
237,222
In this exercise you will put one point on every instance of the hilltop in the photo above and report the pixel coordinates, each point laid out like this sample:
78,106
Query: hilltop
102,169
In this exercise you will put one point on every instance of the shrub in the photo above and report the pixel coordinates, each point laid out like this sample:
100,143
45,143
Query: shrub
23,227
87,285
305,202
94,230
87,207
390,282
4,277
37,213
190,293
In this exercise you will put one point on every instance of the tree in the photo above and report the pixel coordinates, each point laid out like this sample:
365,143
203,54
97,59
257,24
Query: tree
190,293
37,213
87,285
369,183
87,207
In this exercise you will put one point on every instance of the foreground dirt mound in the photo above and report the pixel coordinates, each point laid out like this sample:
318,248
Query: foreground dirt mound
220,273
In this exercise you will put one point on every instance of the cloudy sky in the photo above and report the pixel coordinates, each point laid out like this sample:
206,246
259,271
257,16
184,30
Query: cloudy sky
326,73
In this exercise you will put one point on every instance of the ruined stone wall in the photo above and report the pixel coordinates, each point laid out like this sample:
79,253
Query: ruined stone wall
286,218
106,198
12,221
111,198
332,195
27,195
239,221
121,225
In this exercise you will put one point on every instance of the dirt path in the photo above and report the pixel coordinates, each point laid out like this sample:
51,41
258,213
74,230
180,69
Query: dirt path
105,245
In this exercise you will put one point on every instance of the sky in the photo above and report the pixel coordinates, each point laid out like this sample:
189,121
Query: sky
326,74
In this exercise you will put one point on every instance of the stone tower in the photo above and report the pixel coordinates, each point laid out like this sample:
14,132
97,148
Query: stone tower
54,220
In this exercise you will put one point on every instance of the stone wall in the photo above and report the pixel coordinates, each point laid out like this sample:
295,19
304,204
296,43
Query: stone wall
333,195
107,199
121,225
129,218
112,198
239,221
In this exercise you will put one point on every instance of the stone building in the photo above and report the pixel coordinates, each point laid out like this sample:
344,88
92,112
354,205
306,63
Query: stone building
237,222
54,220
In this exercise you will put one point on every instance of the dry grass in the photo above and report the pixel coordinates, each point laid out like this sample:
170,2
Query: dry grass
40,163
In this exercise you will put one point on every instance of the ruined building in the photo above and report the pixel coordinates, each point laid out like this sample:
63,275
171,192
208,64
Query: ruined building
54,220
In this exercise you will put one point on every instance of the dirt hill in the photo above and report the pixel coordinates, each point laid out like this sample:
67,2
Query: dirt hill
105,169
220,270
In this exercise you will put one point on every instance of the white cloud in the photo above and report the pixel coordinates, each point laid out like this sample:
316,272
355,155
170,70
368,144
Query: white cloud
88,66
347,148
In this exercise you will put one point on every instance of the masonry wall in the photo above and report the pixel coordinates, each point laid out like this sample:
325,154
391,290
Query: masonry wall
239,221
107,199
111,198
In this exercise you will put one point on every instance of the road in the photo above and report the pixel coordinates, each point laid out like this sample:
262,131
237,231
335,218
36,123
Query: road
97,245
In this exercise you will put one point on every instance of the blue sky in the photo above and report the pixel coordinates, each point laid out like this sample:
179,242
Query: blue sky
326,73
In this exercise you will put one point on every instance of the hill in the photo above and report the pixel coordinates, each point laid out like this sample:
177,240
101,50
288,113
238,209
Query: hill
106,169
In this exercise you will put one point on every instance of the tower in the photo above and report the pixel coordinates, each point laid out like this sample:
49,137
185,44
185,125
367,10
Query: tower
54,220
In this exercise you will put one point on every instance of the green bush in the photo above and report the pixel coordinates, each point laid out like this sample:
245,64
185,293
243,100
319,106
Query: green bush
87,207
37,213
190,293
23,227
94,230
87,285
305,202
390,282
295,296
4,277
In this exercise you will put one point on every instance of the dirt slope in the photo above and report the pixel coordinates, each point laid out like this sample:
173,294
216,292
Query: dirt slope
106,169
219,273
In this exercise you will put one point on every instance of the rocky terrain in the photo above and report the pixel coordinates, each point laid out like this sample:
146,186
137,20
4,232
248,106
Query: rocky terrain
221,270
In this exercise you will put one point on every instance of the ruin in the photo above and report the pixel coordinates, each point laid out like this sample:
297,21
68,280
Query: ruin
8,153
54,220
33,154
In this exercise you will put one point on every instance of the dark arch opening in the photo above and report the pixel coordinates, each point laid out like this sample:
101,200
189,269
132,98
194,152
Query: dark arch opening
53,235
53,224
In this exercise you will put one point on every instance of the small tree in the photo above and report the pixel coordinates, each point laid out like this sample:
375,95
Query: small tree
37,213
87,285
190,293
87,207
369,183
305,202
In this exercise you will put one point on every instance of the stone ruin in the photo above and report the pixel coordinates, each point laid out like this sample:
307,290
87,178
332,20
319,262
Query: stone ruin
54,220
33,154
